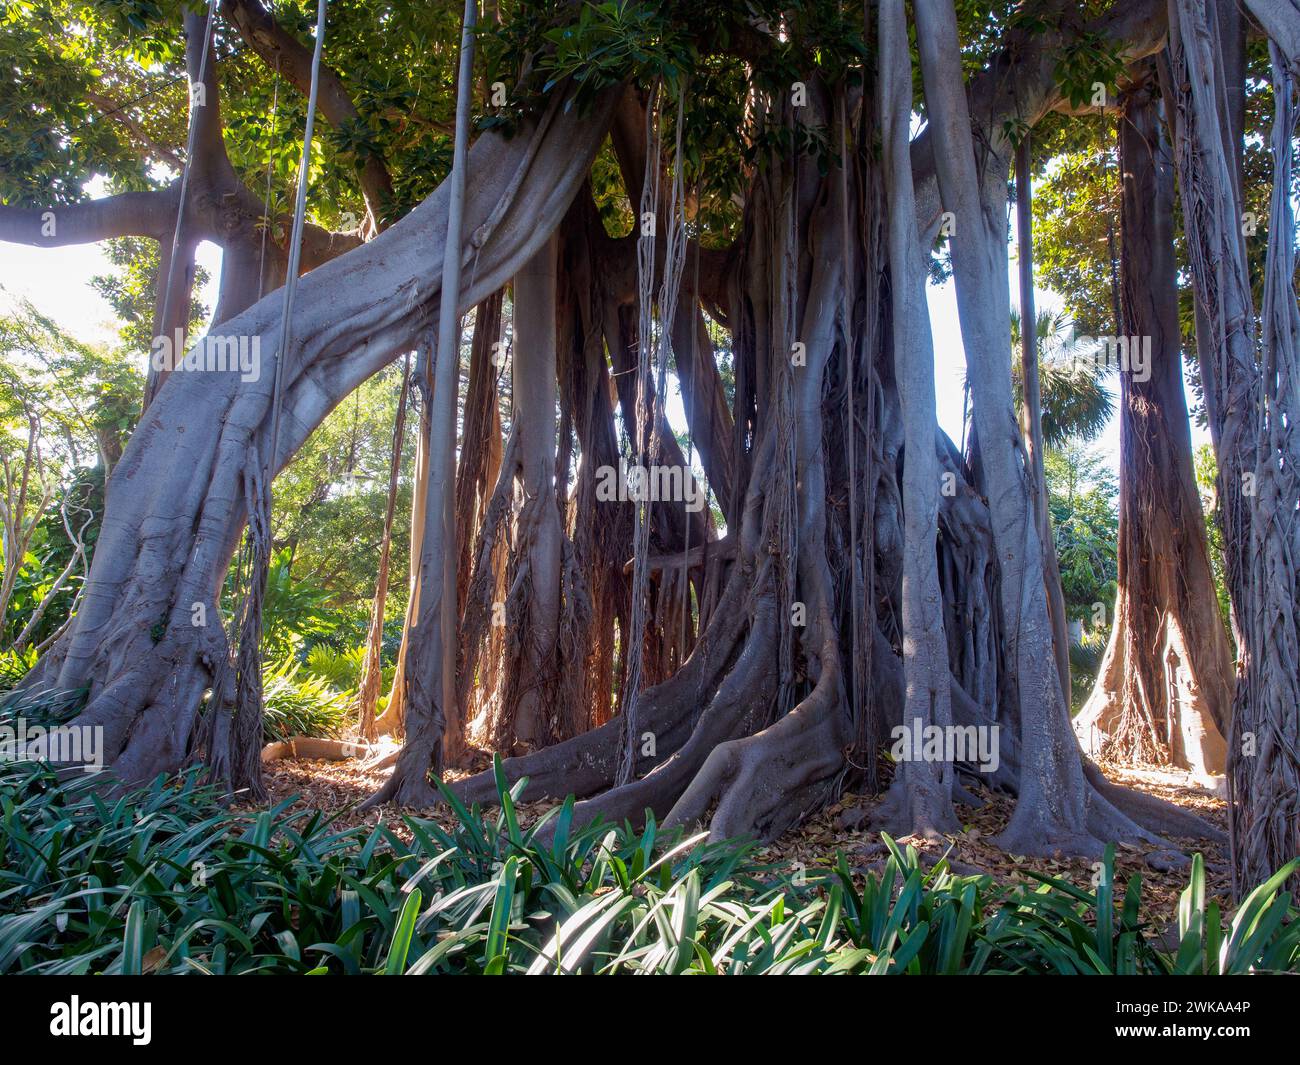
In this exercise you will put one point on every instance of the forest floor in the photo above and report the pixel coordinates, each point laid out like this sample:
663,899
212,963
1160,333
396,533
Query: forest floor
336,787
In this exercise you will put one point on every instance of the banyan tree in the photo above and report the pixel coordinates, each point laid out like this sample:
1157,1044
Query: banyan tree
721,612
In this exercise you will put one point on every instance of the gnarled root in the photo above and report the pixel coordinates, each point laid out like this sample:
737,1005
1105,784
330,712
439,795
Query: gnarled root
1154,813
768,782
742,698
313,748
587,763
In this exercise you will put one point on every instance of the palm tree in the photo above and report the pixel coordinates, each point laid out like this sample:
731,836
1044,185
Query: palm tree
1076,404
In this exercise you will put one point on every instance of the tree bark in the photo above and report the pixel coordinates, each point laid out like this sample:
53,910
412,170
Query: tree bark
1164,691
533,617
429,703
368,688
1057,809
176,510
1265,737
920,796
1032,406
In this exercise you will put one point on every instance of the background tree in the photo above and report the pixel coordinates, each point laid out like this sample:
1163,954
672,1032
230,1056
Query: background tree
1165,687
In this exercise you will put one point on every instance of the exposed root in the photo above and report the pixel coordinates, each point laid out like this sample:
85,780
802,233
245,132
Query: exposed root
741,701
914,807
587,763
313,747
1155,813
407,787
768,782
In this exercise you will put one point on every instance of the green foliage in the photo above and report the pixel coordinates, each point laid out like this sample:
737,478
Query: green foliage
1263,934
49,140
130,291
65,411
293,611
329,502
1081,495
1088,61
14,666
167,881
85,398
34,580
611,41
338,669
1074,403
1076,231
1207,478
300,705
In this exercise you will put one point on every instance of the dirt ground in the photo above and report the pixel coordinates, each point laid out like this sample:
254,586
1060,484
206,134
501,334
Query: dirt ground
336,787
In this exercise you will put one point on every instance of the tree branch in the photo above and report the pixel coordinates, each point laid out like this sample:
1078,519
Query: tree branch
1020,83
1280,19
129,214
110,109
284,53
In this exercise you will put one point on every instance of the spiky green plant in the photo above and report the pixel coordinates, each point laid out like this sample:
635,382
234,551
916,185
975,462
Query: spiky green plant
339,669
299,704
166,880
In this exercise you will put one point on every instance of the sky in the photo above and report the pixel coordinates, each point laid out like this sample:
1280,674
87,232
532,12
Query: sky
57,281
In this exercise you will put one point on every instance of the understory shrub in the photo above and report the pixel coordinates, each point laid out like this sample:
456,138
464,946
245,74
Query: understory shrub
298,703
166,880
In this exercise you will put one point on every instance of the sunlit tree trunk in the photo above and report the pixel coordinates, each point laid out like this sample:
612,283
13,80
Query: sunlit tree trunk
1164,691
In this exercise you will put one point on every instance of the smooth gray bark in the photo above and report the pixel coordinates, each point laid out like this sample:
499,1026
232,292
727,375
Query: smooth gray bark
1056,809
920,797
177,509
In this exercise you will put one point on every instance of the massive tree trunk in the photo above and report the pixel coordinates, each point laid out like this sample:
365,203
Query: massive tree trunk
1058,809
533,609
1032,408
178,509
1204,156
920,796
1252,409
1164,692
1265,749
748,720
1252,418
751,732
429,714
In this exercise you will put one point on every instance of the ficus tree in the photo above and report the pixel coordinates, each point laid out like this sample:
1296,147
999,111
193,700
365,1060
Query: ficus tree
728,197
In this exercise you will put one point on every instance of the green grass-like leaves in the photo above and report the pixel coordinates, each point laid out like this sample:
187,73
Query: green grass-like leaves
167,881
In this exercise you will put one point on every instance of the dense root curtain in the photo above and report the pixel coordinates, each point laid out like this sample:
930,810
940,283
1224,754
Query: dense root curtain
920,796
1058,807
1265,735
753,731
752,707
